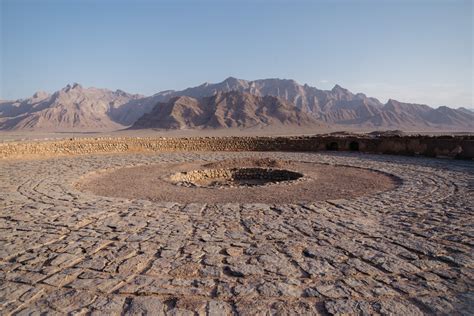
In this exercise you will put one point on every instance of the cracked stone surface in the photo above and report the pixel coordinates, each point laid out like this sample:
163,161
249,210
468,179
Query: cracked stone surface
408,251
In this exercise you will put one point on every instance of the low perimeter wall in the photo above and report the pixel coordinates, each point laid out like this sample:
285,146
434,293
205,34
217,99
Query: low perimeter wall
459,147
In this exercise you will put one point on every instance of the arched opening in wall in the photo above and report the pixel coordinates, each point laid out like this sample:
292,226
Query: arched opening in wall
458,153
332,146
354,146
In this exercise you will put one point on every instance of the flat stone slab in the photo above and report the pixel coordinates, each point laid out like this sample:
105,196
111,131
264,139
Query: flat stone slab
406,251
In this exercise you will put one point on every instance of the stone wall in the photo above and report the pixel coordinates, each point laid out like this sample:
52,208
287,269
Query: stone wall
460,147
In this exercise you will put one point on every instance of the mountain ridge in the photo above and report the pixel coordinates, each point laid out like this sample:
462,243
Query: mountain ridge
337,106
75,107
231,109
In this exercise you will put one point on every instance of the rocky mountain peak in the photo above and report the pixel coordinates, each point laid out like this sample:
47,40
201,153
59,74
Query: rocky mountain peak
234,83
393,102
232,80
338,89
122,93
75,86
237,103
40,95
225,109
180,98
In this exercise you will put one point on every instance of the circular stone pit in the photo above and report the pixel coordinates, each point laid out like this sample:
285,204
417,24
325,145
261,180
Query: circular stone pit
248,180
233,177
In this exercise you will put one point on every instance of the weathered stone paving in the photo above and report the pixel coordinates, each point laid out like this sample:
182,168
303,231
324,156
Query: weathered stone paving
408,251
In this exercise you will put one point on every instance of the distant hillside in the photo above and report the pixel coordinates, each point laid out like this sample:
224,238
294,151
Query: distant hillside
340,106
85,109
73,108
223,110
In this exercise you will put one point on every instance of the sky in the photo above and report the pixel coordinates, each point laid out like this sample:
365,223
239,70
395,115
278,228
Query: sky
414,51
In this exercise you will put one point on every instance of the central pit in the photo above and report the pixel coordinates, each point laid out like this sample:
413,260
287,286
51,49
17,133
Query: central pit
234,177
245,180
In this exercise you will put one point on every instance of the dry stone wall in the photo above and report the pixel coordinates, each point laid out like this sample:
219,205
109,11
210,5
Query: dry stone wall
460,147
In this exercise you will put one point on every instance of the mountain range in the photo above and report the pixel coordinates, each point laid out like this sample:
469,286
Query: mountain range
74,108
233,103
230,109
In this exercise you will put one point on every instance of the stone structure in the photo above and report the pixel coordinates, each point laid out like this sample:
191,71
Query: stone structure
234,177
407,251
461,147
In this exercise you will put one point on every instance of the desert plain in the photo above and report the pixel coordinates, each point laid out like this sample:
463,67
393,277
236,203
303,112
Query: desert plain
236,158
187,233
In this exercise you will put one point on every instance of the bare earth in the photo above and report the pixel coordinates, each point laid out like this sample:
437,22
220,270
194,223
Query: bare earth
320,182
377,249
271,131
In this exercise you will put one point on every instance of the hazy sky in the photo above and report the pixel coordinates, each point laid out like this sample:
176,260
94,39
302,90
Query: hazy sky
417,51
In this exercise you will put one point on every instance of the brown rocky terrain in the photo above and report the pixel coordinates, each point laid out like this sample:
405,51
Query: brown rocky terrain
75,108
339,106
225,110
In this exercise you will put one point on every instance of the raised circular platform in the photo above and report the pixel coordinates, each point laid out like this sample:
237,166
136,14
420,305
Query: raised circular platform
238,181
403,249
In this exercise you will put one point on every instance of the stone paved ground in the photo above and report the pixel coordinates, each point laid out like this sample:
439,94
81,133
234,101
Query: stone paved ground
408,251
